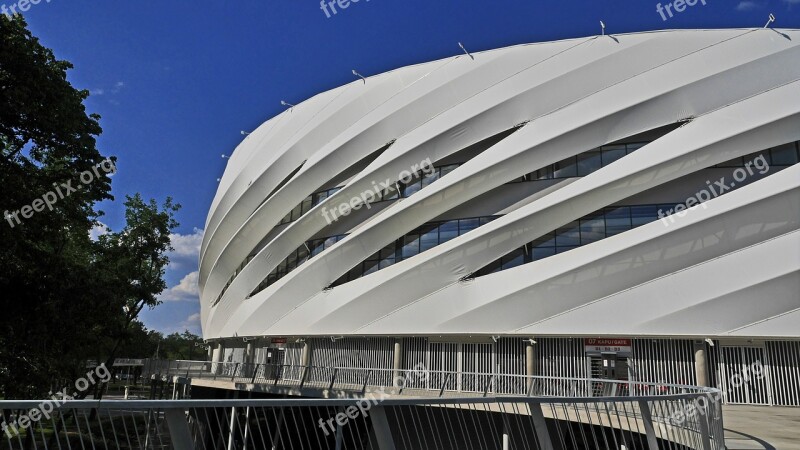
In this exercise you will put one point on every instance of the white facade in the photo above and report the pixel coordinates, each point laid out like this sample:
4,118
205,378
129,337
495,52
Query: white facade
729,268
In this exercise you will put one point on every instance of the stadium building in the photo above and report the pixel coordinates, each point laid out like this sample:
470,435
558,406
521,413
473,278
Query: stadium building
621,207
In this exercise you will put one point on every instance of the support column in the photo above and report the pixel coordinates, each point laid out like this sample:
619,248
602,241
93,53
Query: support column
381,428
305,356
217,357
398,359
305,361
530,364
178,428
701,363
249,358
210,352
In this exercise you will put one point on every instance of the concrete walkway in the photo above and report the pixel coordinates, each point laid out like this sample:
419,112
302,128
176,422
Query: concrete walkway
761,427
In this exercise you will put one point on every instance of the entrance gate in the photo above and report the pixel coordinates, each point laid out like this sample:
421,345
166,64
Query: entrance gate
744,378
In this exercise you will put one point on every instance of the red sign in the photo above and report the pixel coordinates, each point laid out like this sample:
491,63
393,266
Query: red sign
608,342
278,340
607,345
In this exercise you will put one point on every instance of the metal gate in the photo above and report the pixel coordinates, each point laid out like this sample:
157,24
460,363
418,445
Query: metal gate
476,364
744,378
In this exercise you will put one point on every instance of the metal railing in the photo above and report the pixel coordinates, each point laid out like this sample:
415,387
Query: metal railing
419,381
371,422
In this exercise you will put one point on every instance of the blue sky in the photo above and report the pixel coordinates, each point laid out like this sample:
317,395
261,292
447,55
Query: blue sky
176,81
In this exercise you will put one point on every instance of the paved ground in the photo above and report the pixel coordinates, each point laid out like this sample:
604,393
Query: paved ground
761,427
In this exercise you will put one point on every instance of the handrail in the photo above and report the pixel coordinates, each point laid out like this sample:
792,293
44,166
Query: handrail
333,376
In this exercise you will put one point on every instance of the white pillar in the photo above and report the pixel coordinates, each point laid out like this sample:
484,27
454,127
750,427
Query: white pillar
700,363
530,364
398,359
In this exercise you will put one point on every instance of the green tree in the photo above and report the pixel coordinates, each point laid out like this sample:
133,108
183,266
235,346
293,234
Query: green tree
46,137
66,299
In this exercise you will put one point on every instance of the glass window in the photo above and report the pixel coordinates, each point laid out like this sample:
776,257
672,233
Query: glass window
291,261
428,179
297,212
633,147
543,174
389,251
588,162
593,228
306,205
494,266
412,188
429,239
444,170
612,153
566,248
548,240
568,235
618,220
641,215
302,255
467,225
371,266
390,193
513,259
566,168
785,155
542,253
410,245
448,230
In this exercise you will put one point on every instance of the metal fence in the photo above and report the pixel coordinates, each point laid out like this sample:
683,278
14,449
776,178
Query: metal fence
675,421
413,409
420,381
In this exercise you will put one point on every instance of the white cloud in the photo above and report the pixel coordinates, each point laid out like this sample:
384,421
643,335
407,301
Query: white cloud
747,6
192,324
185,290
114,90
99,229
186,250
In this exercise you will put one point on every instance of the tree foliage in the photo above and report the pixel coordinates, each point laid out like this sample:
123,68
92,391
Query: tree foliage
64,298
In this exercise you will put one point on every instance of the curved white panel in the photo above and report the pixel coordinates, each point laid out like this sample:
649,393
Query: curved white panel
737,90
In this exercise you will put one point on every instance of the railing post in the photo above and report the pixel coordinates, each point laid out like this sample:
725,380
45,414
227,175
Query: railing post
303,378
488,385
647,418
178,429
255,372
703,417
540,426
235,368
444,384
366,380
381,428
333,378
